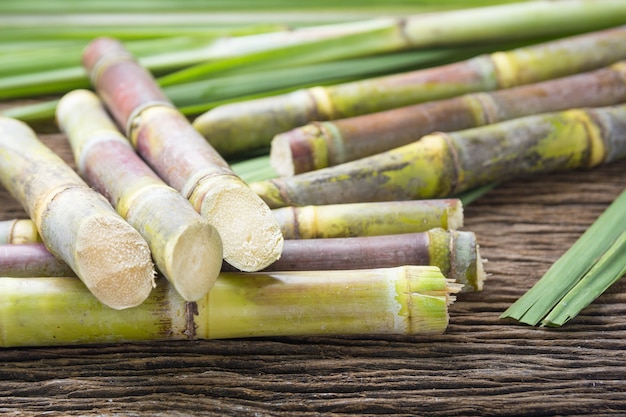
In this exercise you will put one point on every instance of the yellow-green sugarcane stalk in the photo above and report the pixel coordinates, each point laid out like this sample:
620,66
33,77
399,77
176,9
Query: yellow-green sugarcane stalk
250,235
18,231
402,300
368,219
31,260
454,252
76,223
322,144
443,164
250,124
186,248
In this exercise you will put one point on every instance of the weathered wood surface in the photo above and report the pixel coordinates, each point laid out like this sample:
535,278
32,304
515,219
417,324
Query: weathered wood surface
481,366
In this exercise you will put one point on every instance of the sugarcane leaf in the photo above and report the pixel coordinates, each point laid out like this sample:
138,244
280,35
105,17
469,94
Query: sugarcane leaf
572,266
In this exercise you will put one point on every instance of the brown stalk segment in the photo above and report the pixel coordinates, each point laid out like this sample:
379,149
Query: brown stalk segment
369,219
18,231
443,164
31,260
322,144
455,253
75,223
182,157
258,121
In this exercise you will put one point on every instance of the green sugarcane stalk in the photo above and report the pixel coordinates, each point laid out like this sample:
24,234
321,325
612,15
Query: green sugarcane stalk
368,219
403,300
185,247
249,232
454,252
18,231
444,164
75,222
322,144
31,260
246,125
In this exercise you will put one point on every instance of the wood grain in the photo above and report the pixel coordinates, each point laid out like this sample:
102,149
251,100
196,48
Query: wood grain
481,366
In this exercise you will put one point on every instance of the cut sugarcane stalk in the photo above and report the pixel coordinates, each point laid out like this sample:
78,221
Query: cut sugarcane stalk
31,260
402,300
322,144
185,247
179,154
245,125
444,164
18,231
454,252
369,219
75,222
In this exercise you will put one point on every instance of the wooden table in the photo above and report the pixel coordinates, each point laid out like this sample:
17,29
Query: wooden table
482,365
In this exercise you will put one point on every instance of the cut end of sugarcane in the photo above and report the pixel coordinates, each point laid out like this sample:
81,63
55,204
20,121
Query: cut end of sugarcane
114,262
250,233
301,150
195,261
281,156
429,295
455,215
467,265
270,193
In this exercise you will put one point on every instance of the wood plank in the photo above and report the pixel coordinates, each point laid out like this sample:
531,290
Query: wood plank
481,366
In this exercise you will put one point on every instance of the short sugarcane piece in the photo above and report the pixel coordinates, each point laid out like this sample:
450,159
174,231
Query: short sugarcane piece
76,223
402,300
322,144
245,125
369,219
454,252
185,247
18,231
31,260
444,164
250,235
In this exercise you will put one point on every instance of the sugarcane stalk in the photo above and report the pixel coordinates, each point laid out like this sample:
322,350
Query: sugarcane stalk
368,219
18,231
250,235
402,300
322,144
454,252
444,164
76,223
31,260
185,247
245,125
